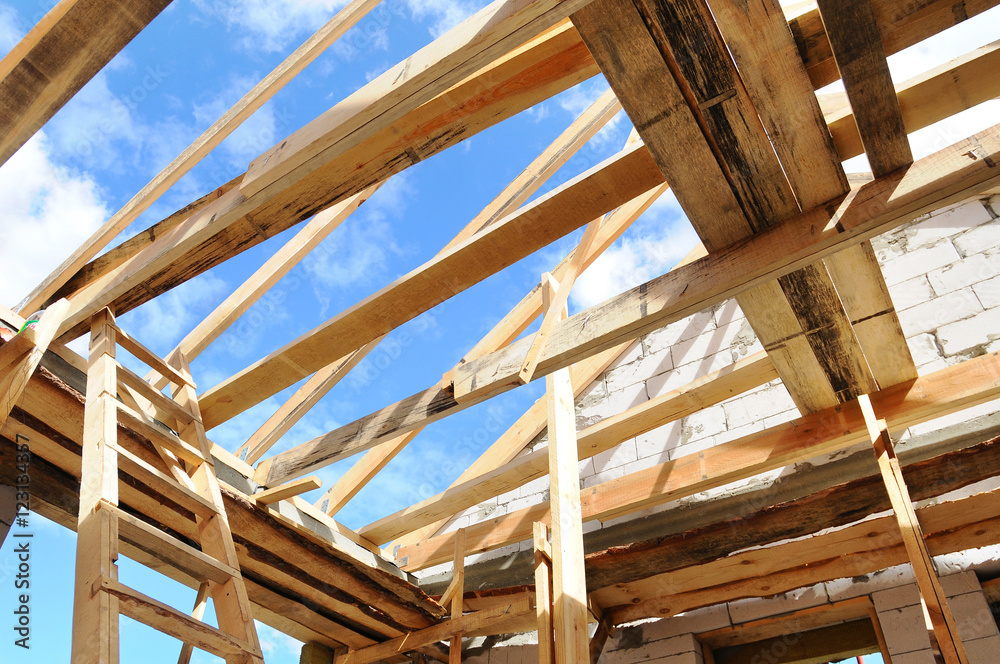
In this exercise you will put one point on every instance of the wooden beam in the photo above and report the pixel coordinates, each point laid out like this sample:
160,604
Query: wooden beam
197,613
569,585
863,548
444,630
764,50
932,594
857,47
823,432
487,35
791,623
600,639
210,139
543,67
64,50
543,592
703,130
458,582
607,185
293,488
19,359
814,646
830,507
930,183
600,437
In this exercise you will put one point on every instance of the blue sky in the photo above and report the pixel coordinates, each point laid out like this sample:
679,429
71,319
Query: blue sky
195,60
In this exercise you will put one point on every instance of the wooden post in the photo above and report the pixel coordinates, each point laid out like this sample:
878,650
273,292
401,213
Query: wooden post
458,582
543,592
932,595
569,586
95,614
200,604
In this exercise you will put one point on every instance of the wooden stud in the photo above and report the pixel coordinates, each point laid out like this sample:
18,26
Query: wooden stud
210,139
543,592
458,581
882,645
932,594
569,587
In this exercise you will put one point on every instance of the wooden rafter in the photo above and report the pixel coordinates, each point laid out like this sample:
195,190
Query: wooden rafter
210,139
67,48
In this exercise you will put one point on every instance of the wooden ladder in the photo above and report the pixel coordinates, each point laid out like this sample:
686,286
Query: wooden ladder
116,394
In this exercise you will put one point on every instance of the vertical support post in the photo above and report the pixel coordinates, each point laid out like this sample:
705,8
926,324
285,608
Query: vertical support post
879,634
569,585
543,592
458,581
95,614
932,595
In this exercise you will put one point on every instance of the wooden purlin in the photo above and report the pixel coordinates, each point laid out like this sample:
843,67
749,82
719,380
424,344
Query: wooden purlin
63,51
199,149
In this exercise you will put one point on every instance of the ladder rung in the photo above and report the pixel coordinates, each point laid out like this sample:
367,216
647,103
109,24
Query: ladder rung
146,427
152,359
170,621
155,397
167,547
165,484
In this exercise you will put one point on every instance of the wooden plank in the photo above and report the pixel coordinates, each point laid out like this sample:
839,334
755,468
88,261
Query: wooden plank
791,623
293,488
198,612
154,396
600,639
152,360
932,594
300,403
170,621
840,642
543,592
829,507
569,585
458,582
943,392
17,366
698,108
764,51
487,35
95,617
120,254
544,67
876,207
64,50
159,435
444,630
605,186
669,407
166,546
863,548
168,487
930,97
209,140
857,48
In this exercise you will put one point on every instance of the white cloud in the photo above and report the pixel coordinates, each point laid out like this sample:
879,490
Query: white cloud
653,244
48,211
445,13
273,24
254,136
10,31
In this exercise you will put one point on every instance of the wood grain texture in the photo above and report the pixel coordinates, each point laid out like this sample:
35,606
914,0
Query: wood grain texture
544,67
822,432
926,185
602,188
67,48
